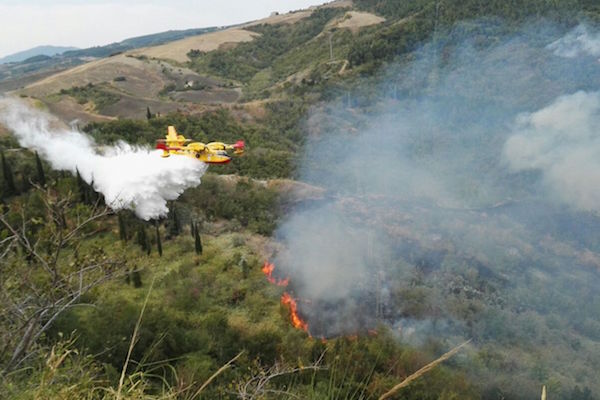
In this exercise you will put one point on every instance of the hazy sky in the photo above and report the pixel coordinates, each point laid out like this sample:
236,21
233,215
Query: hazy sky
29,23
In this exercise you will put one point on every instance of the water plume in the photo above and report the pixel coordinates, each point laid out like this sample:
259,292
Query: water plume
129,177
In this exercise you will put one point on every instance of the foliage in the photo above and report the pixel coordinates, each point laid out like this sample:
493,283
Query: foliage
247,59
386,43
41,176
411,23
44,236
8,181
245,201
100,97
450,11
197,242
270,145
158,241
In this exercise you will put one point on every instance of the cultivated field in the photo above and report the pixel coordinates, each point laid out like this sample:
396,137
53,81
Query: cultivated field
177,51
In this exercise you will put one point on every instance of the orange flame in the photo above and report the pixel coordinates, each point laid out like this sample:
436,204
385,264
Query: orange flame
268,269
289,301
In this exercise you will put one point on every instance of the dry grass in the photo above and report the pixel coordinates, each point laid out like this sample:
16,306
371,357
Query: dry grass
143,78
354,20
289,18
178,50
337,4
213,376
544,392
69,110
134,339
422,371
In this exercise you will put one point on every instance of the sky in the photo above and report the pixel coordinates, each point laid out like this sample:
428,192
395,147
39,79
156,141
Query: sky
29,23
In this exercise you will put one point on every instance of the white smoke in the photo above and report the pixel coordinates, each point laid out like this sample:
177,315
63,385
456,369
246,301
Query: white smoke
563,141
576,43
135,178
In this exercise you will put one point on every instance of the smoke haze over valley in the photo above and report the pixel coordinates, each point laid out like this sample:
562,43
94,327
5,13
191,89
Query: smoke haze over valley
466,179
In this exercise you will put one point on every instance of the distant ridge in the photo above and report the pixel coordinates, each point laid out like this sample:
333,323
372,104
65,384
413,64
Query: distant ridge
36,51
153,39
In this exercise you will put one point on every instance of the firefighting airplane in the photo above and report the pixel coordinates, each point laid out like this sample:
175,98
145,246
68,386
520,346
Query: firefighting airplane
211,153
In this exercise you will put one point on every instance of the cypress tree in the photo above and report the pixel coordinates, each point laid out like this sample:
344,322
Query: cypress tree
63,221
148,113
177,222
91,193
136,278
122,228
41,177
197,242
25,181
81,185
158,243
142,239
9,179
174,224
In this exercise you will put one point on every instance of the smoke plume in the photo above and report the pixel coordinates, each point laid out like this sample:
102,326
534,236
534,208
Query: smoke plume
463,191
578,42
130,177
562,141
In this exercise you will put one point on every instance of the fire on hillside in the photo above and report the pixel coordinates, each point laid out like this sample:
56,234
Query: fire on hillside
286,299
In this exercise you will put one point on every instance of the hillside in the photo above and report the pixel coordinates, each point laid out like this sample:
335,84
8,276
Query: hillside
26,55
417,175
19,74
177,51
48,51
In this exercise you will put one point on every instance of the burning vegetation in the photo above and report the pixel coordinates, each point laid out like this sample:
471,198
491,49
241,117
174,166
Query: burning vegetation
286,299
268,269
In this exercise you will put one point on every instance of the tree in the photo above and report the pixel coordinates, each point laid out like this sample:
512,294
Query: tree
197,242
41,177
9,179
136,277
82,186
148,243
174,224
148,113
34,293
142,239
122,228
158,242
192,228
25,179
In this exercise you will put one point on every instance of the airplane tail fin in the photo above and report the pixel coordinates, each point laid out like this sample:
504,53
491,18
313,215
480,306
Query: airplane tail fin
172,140
239,147
171,133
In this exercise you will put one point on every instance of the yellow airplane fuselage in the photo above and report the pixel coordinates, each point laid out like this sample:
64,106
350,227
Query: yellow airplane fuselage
211,153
